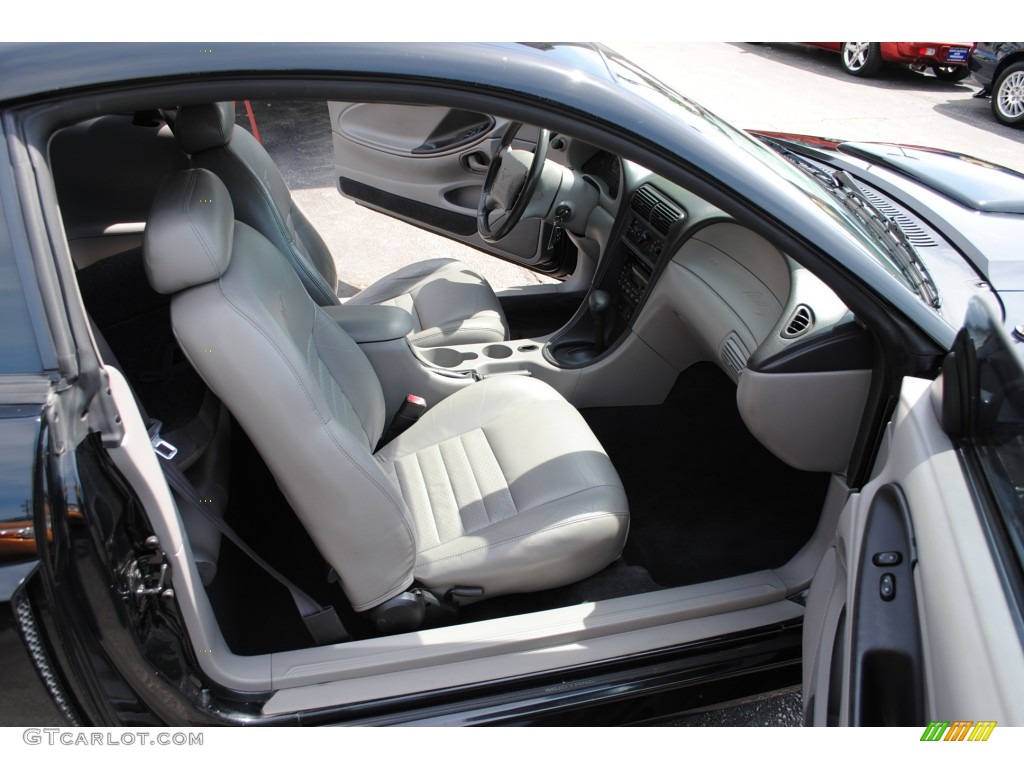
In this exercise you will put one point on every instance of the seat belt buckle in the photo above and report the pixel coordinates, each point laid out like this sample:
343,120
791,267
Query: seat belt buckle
161,447
409,413
411,408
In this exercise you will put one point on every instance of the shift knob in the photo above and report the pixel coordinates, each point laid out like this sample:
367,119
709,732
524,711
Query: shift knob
598,302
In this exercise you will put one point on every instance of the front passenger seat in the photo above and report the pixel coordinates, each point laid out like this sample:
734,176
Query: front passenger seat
449,303
499,488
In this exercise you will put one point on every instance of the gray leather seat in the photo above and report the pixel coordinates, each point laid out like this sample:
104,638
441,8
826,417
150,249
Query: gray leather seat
449,303
501,486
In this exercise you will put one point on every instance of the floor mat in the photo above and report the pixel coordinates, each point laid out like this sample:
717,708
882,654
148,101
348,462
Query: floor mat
707,500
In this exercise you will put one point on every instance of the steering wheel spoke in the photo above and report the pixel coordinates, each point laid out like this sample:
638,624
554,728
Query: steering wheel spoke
509,185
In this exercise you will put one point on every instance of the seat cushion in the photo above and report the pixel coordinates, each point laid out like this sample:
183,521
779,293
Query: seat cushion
508,490
449,303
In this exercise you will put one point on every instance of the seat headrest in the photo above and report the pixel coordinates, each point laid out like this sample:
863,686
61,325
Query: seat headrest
204,126
188,236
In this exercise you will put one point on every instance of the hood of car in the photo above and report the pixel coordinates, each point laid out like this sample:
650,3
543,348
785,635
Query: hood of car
974,183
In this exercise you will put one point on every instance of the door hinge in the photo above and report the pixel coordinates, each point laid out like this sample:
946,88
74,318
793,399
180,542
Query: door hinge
146,575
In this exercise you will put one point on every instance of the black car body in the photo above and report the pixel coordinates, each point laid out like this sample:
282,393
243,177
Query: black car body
103,620
997,67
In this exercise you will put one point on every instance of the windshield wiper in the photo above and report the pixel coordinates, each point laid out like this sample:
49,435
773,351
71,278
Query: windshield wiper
891,235
886,229
819,173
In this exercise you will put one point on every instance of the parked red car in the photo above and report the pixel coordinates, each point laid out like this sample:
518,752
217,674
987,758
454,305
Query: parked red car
947,60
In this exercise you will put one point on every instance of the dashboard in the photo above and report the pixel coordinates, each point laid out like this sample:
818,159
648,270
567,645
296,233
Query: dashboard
737,293
691,283
607,168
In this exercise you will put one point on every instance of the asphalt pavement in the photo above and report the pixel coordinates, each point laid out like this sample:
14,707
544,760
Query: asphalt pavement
781,709
799,89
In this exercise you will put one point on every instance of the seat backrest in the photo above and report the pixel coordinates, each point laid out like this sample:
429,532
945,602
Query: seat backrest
207,132
298,385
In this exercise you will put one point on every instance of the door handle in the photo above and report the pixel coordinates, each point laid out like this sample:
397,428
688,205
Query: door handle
476,162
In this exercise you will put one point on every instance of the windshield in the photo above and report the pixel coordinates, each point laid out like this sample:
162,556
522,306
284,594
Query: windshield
855,227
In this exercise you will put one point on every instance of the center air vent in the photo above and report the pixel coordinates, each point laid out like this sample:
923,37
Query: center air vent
663,217
799,323
644,201
651,206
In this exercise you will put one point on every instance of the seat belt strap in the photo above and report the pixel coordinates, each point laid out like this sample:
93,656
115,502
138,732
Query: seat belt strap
322,622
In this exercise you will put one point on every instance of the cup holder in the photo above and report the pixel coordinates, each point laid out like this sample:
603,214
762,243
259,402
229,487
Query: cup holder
497,351
445,357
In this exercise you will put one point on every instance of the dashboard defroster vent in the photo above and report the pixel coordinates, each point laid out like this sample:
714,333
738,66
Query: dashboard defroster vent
799,323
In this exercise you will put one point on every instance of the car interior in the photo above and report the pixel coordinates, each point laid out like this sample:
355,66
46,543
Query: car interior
661,434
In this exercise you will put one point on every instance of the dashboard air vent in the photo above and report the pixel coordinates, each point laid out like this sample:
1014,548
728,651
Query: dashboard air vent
799,323
733,355
663,217
644,201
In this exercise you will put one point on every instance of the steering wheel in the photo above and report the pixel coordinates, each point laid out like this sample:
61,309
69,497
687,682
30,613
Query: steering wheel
509,184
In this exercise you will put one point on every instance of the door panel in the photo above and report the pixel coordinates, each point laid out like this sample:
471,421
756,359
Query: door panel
969,649
885,638
400,130
426,165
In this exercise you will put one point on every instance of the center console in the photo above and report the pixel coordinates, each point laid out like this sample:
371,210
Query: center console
621,289
432,373
639,252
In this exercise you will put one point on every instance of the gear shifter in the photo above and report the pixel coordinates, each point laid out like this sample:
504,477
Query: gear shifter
598,303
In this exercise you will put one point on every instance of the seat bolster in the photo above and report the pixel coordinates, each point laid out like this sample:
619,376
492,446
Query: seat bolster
451,303
308,240
262,200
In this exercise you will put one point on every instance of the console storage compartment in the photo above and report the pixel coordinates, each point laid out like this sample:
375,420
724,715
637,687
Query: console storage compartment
371,323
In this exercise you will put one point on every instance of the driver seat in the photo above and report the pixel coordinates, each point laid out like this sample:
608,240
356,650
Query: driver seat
449,303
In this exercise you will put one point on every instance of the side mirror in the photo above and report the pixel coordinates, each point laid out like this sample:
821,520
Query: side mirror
957,385
982,376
